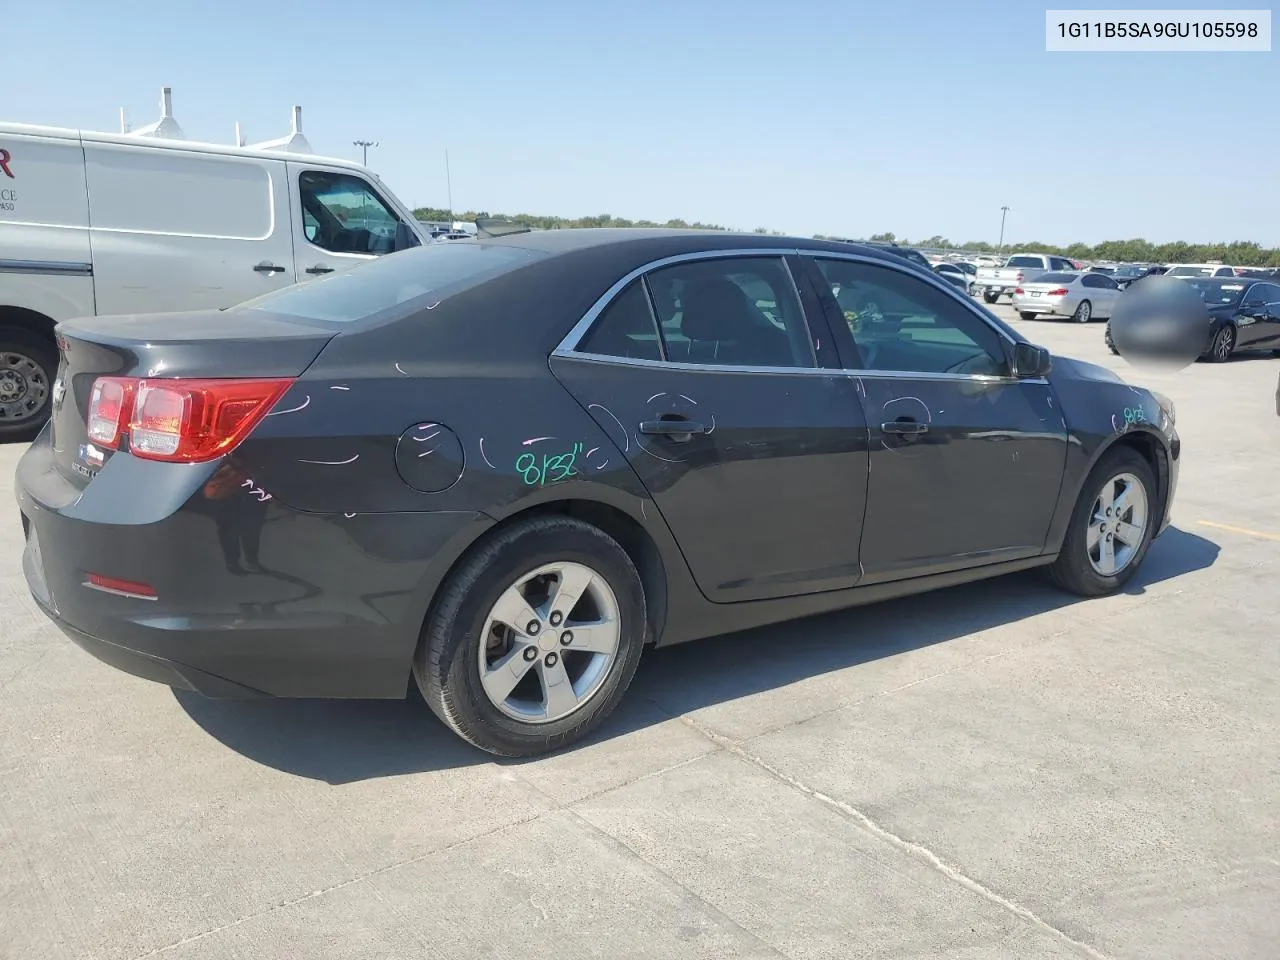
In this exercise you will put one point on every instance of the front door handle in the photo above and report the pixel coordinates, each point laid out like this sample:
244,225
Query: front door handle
319,269
678,430
905,428
268,267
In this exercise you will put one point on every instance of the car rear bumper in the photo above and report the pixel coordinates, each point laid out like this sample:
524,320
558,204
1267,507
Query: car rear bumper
249,602
1052,305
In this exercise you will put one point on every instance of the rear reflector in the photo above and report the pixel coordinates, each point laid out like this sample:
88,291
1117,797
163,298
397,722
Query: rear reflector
124,588
186,421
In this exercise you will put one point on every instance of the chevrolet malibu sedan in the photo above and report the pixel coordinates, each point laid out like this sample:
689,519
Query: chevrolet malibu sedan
500,468
1080,296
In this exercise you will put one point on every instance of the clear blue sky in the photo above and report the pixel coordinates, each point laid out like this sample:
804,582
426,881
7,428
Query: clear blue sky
808,116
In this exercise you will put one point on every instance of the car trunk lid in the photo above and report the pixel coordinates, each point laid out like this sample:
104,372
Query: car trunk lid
205,344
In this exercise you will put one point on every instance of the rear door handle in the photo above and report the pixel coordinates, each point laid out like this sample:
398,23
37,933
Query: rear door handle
266,267
905,428
319,269
679,430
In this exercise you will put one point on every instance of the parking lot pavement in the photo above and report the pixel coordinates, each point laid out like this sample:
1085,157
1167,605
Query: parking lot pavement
991,771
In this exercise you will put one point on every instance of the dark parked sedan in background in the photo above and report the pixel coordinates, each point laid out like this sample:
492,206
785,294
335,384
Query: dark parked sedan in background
498,468
1244,314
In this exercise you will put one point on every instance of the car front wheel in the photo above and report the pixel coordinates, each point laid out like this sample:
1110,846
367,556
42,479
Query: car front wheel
1224,344
1111,528
535,638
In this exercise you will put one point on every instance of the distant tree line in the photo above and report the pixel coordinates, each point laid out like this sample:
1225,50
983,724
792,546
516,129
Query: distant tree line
1241,253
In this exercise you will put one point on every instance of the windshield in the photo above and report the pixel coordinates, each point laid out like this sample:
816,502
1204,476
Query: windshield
408,278
1186,270
1107,270
1129,270
1025,262
1218,293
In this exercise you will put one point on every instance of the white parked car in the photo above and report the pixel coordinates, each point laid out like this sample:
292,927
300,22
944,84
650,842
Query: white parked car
1080,296
1199,270
124,223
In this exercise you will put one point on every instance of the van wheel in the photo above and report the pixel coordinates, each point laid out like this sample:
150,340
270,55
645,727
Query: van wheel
535,638
28,365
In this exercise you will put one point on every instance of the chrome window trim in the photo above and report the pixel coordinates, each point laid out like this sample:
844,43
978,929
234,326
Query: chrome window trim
675,366
567,348
54,267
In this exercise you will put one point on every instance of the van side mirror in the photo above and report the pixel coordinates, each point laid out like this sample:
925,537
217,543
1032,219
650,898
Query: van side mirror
1030,361
405,238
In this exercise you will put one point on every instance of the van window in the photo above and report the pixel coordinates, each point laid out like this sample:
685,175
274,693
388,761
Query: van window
139,190
342,214
412,279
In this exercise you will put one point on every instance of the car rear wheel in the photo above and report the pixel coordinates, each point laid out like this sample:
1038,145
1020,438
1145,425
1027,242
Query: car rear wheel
1084,312
1026,315
1111,527
1224,344
991,297
535,638
28,365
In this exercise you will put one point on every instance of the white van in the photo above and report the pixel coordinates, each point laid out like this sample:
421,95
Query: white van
103,223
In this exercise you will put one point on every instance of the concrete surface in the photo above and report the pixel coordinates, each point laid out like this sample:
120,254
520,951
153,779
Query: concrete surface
992,771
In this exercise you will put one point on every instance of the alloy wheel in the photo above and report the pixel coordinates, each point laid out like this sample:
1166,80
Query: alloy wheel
549,642
1084,312
1117,524
1224,343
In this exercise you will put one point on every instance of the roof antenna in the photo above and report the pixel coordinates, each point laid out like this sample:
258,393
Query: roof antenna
294,142
166,127
124,121
239,135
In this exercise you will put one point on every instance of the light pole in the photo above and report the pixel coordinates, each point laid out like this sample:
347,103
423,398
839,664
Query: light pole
1004,211
448,184
364,146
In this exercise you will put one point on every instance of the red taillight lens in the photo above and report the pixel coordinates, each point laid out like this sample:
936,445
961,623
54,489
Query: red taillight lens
1060,292
109,404
193,420
179,420
1018,290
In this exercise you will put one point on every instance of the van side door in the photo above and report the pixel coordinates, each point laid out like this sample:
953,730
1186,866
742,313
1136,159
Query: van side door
340,219
184,229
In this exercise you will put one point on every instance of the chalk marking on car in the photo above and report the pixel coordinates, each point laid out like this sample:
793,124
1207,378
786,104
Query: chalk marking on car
333,463
339,388
301,406
427,453
655,397
484,457
425,439
401,369
626,437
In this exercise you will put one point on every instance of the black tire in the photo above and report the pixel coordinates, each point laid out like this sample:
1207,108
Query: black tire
1223,345
17,342
990,297
1026,315
445,665
1072,570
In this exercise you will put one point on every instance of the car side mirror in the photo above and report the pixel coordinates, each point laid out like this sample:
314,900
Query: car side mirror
1030,361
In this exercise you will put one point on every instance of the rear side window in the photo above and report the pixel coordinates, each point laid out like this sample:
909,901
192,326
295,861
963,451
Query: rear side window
1025,262
736,311
411,280
626,328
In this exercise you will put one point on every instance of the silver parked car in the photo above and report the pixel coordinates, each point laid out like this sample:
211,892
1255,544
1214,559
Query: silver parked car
1080,296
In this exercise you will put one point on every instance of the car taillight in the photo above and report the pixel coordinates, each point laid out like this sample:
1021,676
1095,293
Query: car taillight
109,404
1060,292
1018,290
179,420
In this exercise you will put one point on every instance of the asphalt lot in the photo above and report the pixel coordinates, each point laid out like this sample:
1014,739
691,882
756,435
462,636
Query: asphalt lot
991,771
